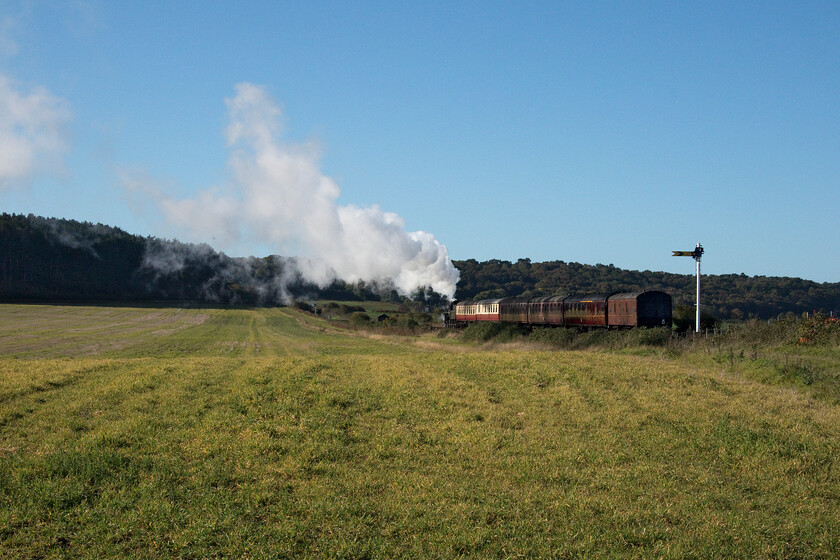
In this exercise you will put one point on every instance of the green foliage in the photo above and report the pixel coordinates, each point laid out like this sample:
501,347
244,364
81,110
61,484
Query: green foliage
389,318
560,337
407,323
52,259
39,258
55,259
756,333
359,318
658,337
497,332
345,309
684,318
728,296
568,338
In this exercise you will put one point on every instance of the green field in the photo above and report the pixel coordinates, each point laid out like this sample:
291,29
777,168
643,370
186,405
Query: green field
268,433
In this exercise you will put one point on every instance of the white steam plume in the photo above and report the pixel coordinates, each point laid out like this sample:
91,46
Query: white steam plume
279,195
32,132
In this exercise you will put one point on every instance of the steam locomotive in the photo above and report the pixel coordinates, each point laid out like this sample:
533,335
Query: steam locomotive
612,310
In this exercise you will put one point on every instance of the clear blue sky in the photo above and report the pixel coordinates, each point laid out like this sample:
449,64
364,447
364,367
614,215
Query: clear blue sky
595,132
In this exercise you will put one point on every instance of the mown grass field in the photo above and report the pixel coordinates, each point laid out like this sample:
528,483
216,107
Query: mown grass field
265,433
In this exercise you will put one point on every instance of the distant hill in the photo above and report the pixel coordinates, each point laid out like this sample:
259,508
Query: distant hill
50,259
724,296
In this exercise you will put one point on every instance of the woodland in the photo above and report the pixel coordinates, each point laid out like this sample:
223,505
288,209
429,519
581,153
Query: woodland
50,259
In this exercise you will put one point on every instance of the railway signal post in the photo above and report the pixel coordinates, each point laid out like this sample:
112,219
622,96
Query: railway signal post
695,254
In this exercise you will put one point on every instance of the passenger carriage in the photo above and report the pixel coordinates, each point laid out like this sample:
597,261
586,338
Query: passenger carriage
633,309
487,310
585,311
514,310
465,311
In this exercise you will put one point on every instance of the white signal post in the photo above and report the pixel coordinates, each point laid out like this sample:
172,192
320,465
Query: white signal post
695,254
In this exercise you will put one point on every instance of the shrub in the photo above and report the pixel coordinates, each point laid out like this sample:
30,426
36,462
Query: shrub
359,318
555,336
648,337
407,321
303,306
598,337
498,332
819,330
345,309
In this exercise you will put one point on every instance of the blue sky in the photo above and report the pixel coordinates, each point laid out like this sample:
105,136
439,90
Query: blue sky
594,132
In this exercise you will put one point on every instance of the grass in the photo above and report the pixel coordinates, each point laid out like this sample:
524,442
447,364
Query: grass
268,434
800,352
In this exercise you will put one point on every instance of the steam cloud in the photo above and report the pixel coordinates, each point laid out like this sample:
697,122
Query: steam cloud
32,132
279,195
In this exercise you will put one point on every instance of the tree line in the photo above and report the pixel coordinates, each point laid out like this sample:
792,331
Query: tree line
56,259
725,296
49,259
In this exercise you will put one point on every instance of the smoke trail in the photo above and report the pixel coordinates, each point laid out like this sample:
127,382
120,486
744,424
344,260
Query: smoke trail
279,195
197,271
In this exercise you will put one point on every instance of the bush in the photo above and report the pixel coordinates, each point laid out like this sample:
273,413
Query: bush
648,337
303,306
345,309
359,318
574,339
498,332
407,321
819,330
598,337
684,318
555,336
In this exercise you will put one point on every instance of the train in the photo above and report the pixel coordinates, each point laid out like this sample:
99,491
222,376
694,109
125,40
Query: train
613,310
